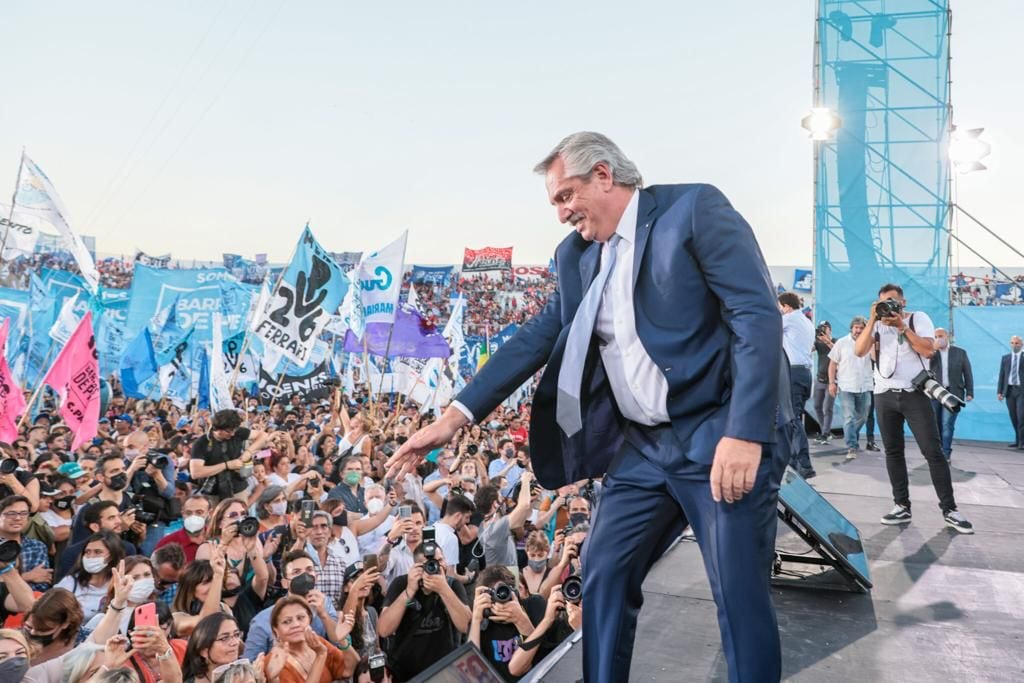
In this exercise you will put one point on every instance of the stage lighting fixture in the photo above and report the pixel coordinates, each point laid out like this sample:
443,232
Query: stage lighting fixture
879,23
967,149
843,24
821,123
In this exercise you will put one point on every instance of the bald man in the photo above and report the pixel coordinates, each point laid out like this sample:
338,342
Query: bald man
952,367
1011,387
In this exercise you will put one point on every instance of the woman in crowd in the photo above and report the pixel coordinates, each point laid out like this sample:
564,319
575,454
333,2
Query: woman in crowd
281,470
537,569
238,672
271,507
356,600
155,656
199,593
51,626
15,655
357,430
309,658
90,576
132,585
216,641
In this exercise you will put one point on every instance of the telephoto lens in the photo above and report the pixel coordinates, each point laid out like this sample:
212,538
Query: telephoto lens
925,382
887,308
572,589
9,551
8,466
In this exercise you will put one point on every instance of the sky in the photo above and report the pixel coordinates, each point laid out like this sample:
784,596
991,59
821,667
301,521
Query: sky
202,127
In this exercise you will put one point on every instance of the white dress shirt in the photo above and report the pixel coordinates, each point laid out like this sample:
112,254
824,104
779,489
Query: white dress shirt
853,373
640,388
898,363
797,338
944,355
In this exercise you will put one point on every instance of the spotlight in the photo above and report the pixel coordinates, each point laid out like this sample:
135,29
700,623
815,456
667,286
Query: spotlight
967,149
821,123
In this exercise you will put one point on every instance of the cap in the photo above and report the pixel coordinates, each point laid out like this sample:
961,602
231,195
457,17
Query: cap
72,470
125,417
47,490
353,570
182,421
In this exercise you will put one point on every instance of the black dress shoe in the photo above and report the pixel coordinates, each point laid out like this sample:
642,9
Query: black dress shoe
872,447
1012,445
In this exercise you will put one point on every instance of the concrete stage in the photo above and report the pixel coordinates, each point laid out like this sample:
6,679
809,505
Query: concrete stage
945,606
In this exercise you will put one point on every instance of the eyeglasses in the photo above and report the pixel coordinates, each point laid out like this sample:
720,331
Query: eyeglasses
234,515
228,637
16,515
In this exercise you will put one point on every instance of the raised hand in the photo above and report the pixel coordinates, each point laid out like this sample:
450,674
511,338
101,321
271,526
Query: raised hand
345,625
413,451
122,583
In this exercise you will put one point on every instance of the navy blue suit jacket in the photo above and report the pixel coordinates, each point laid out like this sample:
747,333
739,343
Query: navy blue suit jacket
706,313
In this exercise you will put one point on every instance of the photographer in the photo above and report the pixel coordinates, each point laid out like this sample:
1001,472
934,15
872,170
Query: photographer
561,618
15,594
500,622
426,612
33,560
151,477
824,400
218,456
15,481
397,554
903,341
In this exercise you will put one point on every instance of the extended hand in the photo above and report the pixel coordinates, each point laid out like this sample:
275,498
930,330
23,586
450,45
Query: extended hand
422,442
734,469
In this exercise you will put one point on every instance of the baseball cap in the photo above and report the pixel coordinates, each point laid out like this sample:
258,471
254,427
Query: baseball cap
182,422
125,417
72,470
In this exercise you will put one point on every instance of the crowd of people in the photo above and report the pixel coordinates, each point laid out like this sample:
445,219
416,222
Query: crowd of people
267,543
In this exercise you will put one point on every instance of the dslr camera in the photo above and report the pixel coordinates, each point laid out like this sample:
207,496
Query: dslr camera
926,383
431,565
8,466
248,527
138,504
823,330
502,593
9,551
888,308
572,589
157,459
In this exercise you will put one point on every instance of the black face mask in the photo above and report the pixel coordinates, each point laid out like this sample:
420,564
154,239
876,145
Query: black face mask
301,585
64,503
342,519
230,593
42,641
119,481
195,607
401,439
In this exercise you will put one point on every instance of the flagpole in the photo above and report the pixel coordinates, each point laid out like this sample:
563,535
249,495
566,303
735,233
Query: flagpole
39,387
387,349
14,197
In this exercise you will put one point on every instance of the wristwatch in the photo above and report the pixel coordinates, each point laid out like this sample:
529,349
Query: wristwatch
165,656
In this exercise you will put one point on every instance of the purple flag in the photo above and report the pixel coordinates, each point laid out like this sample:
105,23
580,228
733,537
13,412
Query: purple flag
412,338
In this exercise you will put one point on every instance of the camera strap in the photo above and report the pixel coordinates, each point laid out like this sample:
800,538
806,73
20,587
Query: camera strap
877,361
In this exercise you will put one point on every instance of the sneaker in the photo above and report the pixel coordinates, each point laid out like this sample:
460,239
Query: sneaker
898,515
872,447
955,519
851,454
820,440
808,474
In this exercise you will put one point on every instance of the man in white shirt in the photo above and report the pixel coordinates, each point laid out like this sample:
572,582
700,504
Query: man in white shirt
905,340
850,377
798,343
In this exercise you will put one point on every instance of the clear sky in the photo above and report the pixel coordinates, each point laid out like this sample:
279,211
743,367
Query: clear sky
204,127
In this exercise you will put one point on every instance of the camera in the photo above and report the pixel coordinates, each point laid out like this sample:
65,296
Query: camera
377,666
302,584
9,551
248,527
926,383
823,330
472,449
8,466
888,308
501,593
429,545
572,589
157,459
139,505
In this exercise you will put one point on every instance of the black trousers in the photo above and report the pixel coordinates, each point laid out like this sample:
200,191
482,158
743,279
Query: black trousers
894,409
1015,405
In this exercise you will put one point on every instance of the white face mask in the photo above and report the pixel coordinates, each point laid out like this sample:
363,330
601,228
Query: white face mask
374,505
278,508
94,565
141,590
194,523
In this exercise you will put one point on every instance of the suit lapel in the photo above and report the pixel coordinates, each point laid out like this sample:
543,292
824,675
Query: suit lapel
644,221
588,264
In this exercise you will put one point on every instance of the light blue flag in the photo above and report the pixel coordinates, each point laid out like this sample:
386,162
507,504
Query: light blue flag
138,365
180,388
195,292
203,397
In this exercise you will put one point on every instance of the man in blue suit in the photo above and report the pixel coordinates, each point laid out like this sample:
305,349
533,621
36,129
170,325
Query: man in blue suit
665,372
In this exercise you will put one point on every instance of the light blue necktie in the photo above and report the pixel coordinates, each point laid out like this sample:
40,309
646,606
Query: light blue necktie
577,344
1014,371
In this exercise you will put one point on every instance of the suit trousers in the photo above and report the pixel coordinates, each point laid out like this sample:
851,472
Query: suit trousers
800,389
650,493
824,405
1015,405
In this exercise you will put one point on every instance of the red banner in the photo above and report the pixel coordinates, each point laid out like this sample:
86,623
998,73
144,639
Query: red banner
488,258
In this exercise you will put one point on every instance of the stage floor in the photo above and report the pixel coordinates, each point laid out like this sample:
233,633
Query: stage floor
945,606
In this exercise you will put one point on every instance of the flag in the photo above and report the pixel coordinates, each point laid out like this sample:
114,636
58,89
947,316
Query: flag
22,233
179,388
351,312
456,338
413,298
66,321
12,401
75,376
203,395
409,336
220,392
138,364
36,193
380,280
311,290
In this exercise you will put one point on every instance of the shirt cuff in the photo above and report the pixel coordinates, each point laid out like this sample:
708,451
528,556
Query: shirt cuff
464,410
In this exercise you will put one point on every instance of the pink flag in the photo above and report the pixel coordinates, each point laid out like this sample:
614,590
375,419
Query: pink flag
75,376
12,401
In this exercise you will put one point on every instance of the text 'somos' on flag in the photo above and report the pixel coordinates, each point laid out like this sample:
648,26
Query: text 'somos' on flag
12,401
75,376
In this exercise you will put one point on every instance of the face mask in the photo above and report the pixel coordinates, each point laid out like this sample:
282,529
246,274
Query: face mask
537,565
1016,348
64,503
94,565
278,509
13,669
374,505
141,590
341,520
230,592
42,641
353,478
119,482
194,524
